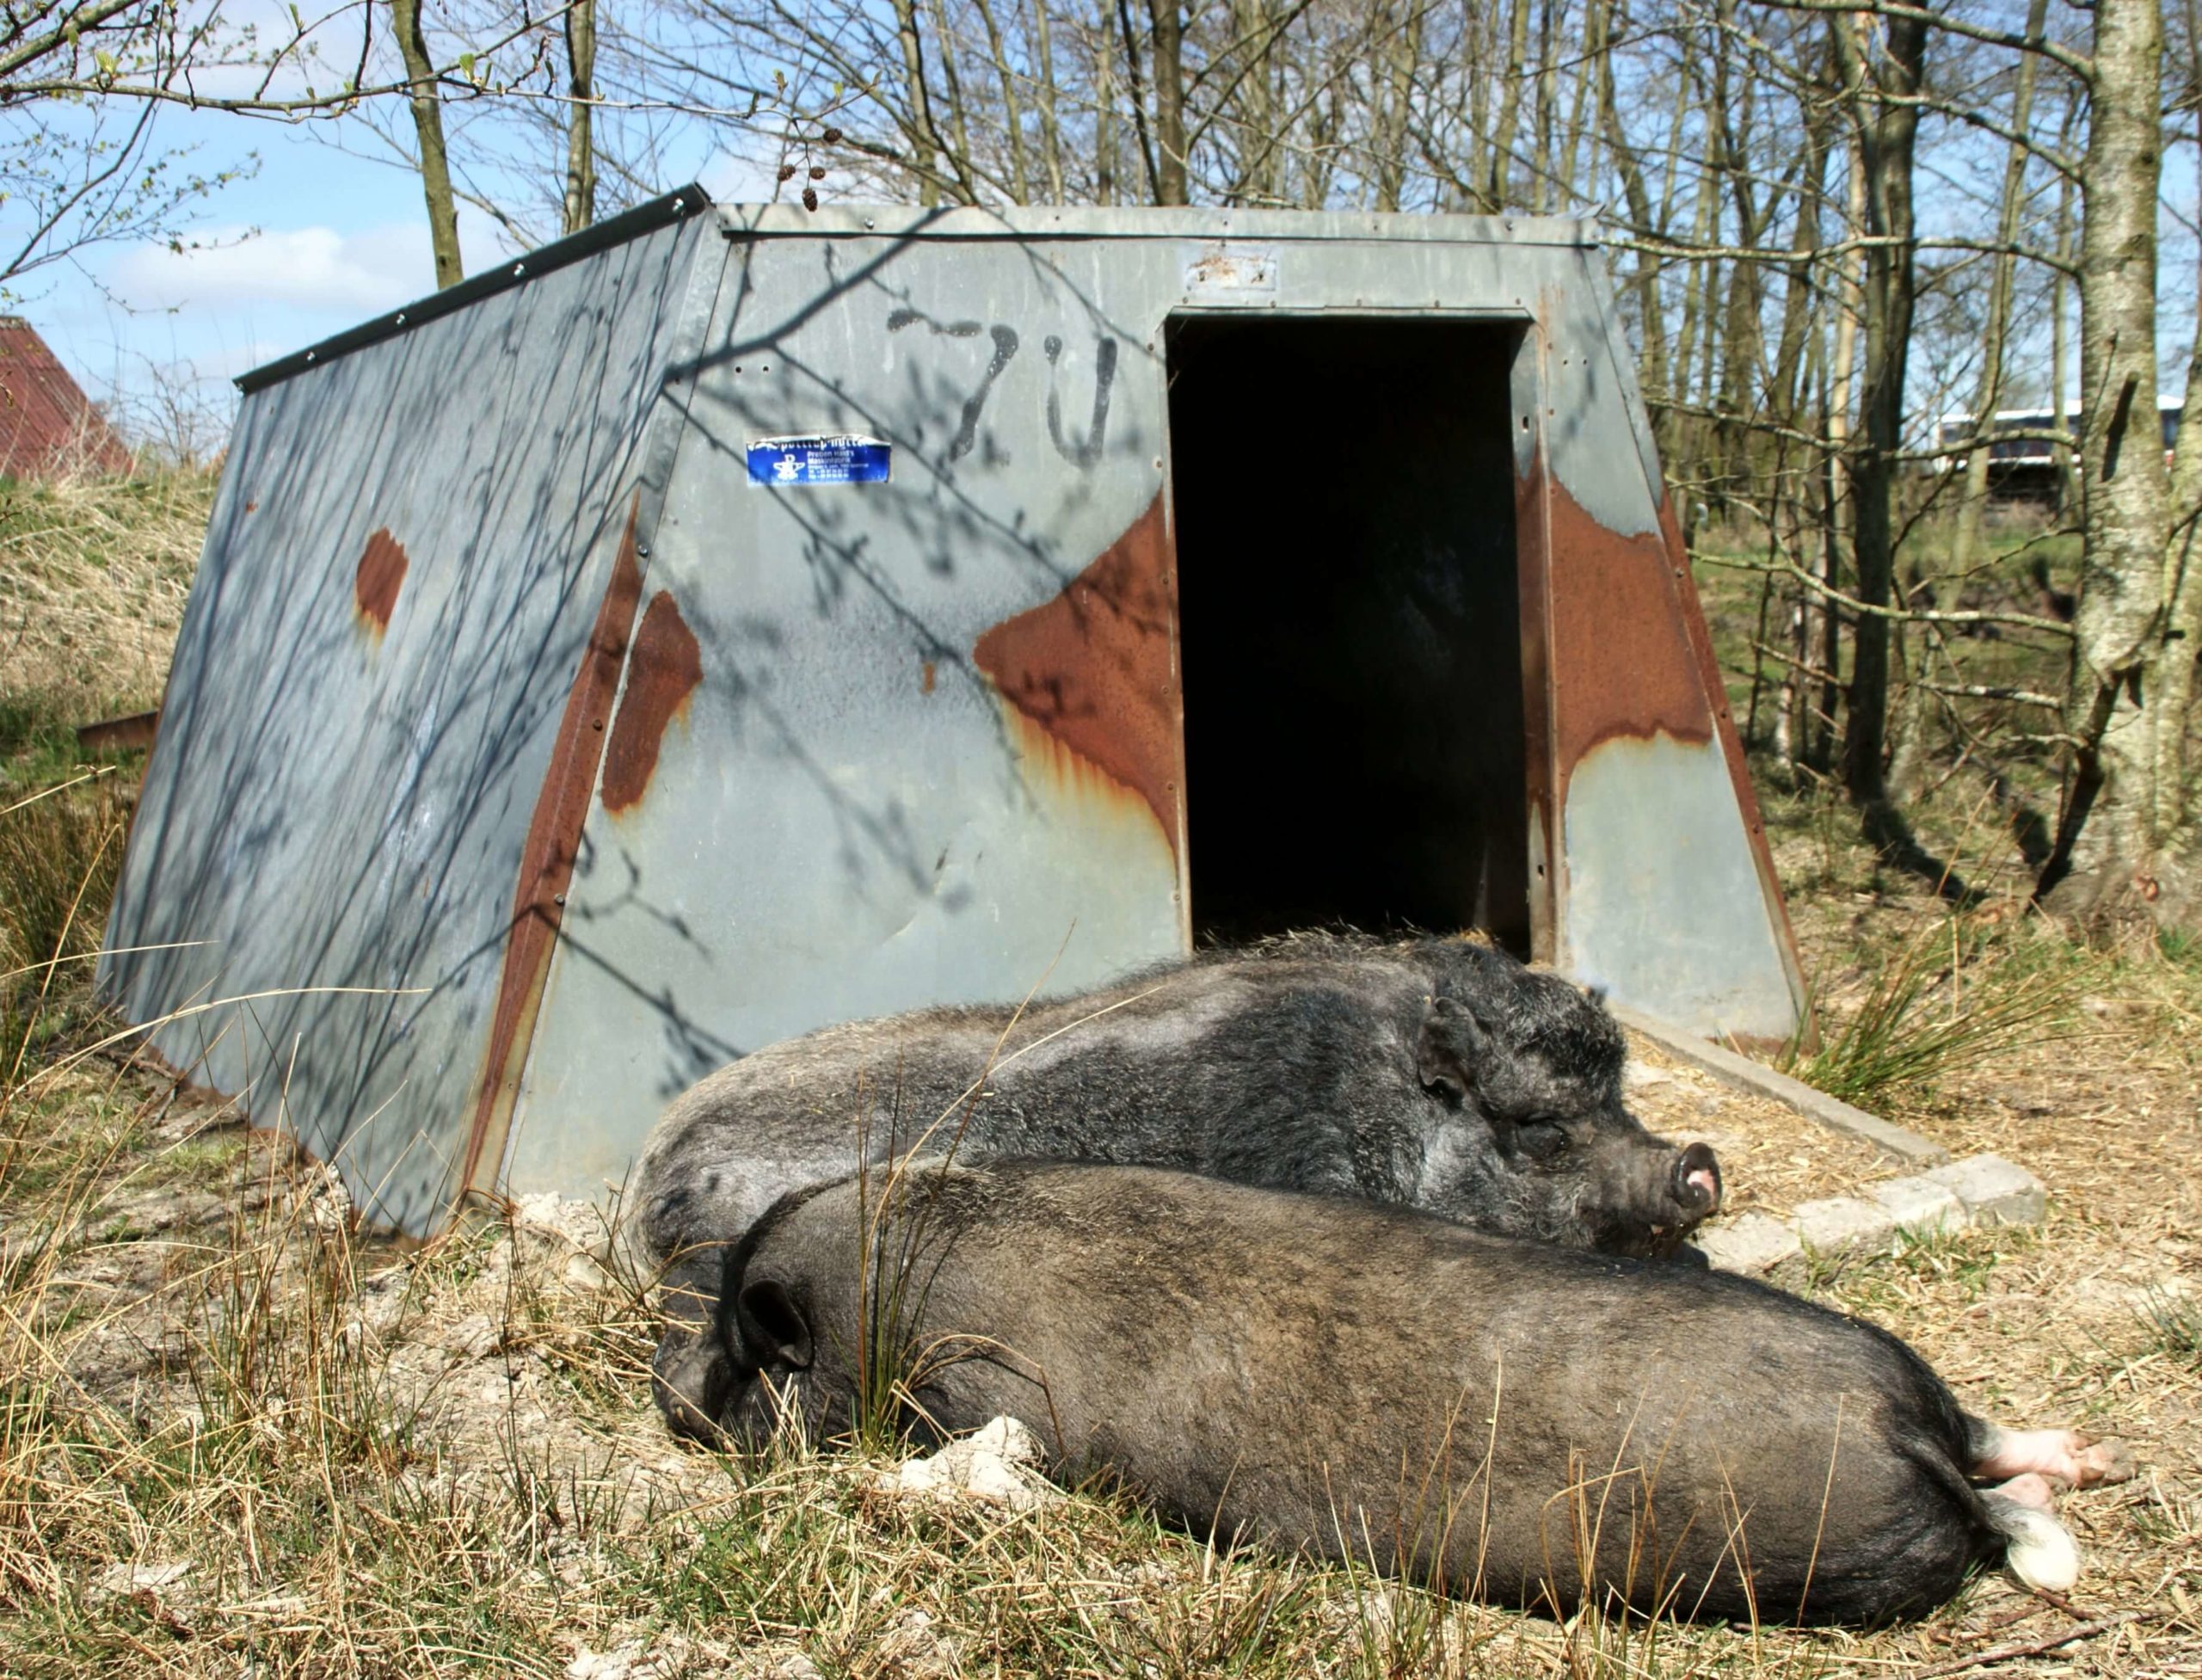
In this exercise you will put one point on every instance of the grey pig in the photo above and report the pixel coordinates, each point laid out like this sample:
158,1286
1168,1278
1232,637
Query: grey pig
1433,1073
1528,1427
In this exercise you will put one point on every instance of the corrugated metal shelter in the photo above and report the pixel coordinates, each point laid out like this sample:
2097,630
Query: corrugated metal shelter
733,621
46,426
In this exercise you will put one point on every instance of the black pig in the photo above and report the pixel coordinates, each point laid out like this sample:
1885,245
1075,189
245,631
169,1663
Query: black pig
1433,1072
1528,1426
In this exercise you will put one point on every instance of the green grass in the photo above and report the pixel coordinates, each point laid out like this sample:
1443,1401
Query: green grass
1959,989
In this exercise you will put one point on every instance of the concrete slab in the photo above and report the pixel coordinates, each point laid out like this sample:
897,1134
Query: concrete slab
1995,1191
1920,1205
1745,1074
1754,1244
1839,1223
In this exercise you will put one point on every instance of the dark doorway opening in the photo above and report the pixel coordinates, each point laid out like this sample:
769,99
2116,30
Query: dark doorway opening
1349,624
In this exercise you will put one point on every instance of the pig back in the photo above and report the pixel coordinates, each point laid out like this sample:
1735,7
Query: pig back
1500,1420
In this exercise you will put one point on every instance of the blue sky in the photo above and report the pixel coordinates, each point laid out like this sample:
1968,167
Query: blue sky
319,238
339,238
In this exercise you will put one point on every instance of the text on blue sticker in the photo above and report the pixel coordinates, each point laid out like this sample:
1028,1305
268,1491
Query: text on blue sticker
819,461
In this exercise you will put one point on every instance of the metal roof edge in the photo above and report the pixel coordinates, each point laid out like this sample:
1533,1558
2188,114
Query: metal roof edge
738,221
545,259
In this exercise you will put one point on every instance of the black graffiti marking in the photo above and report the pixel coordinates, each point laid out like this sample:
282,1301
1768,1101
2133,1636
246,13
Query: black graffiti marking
910,318
967,433
1104,377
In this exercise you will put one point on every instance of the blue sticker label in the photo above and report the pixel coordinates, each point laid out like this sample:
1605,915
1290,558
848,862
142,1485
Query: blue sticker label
823,460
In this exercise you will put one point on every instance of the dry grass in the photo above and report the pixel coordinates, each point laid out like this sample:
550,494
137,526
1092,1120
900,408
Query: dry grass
93,576
239,1436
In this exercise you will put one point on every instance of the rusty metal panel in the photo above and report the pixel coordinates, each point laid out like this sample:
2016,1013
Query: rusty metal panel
915,741
899,743
564,761
1668,895
412,578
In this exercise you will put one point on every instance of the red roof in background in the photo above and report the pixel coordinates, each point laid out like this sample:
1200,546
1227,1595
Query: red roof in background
46,424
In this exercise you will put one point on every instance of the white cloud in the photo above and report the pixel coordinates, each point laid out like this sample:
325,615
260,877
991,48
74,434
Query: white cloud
315,268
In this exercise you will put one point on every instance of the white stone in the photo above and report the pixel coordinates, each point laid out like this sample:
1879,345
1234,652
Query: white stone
125,1580
1751,1243
1920,1205
1843,1223
1994,1190
999,1463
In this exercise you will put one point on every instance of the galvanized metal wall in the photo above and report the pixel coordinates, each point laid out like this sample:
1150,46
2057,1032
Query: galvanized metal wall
408,560
918,741
506,696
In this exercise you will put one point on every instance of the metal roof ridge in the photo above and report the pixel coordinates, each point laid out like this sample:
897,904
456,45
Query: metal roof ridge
542,259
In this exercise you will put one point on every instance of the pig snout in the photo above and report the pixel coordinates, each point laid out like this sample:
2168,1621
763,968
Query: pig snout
1697,1182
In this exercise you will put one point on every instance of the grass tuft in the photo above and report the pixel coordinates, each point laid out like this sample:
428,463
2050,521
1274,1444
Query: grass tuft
1954,991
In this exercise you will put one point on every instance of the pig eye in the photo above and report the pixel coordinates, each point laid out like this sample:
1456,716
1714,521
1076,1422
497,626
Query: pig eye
1540,1139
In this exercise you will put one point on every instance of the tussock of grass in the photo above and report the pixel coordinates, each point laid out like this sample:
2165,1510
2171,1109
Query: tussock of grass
1953,992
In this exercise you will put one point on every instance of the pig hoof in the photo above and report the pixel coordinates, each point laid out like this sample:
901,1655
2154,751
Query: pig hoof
2104,1462
2035,1545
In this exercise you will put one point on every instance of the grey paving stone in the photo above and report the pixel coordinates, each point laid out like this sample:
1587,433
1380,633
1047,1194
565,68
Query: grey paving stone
1995,1191
1840,1223
1920,1205
1753,1243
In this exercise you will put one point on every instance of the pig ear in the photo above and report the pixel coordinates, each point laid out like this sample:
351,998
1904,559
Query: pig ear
1451,1046
772,1328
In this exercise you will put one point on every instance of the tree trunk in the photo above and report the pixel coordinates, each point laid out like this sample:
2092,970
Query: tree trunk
1051,142
581,152
2125,845
1169,100
921,123
1888,129
428,128
1988,396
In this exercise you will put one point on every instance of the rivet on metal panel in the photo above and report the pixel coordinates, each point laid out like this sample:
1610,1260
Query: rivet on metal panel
557,898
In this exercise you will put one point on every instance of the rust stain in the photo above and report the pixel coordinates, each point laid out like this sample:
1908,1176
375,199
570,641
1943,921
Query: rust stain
252,507
119,735
663,672
1093,671
381,575
926,677
546,863
1731,750
1620,657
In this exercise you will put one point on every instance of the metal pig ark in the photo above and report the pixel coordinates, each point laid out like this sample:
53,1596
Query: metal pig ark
729,621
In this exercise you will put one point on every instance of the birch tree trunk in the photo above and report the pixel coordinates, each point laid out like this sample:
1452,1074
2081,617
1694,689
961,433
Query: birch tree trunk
580,208
428,130
2124,847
